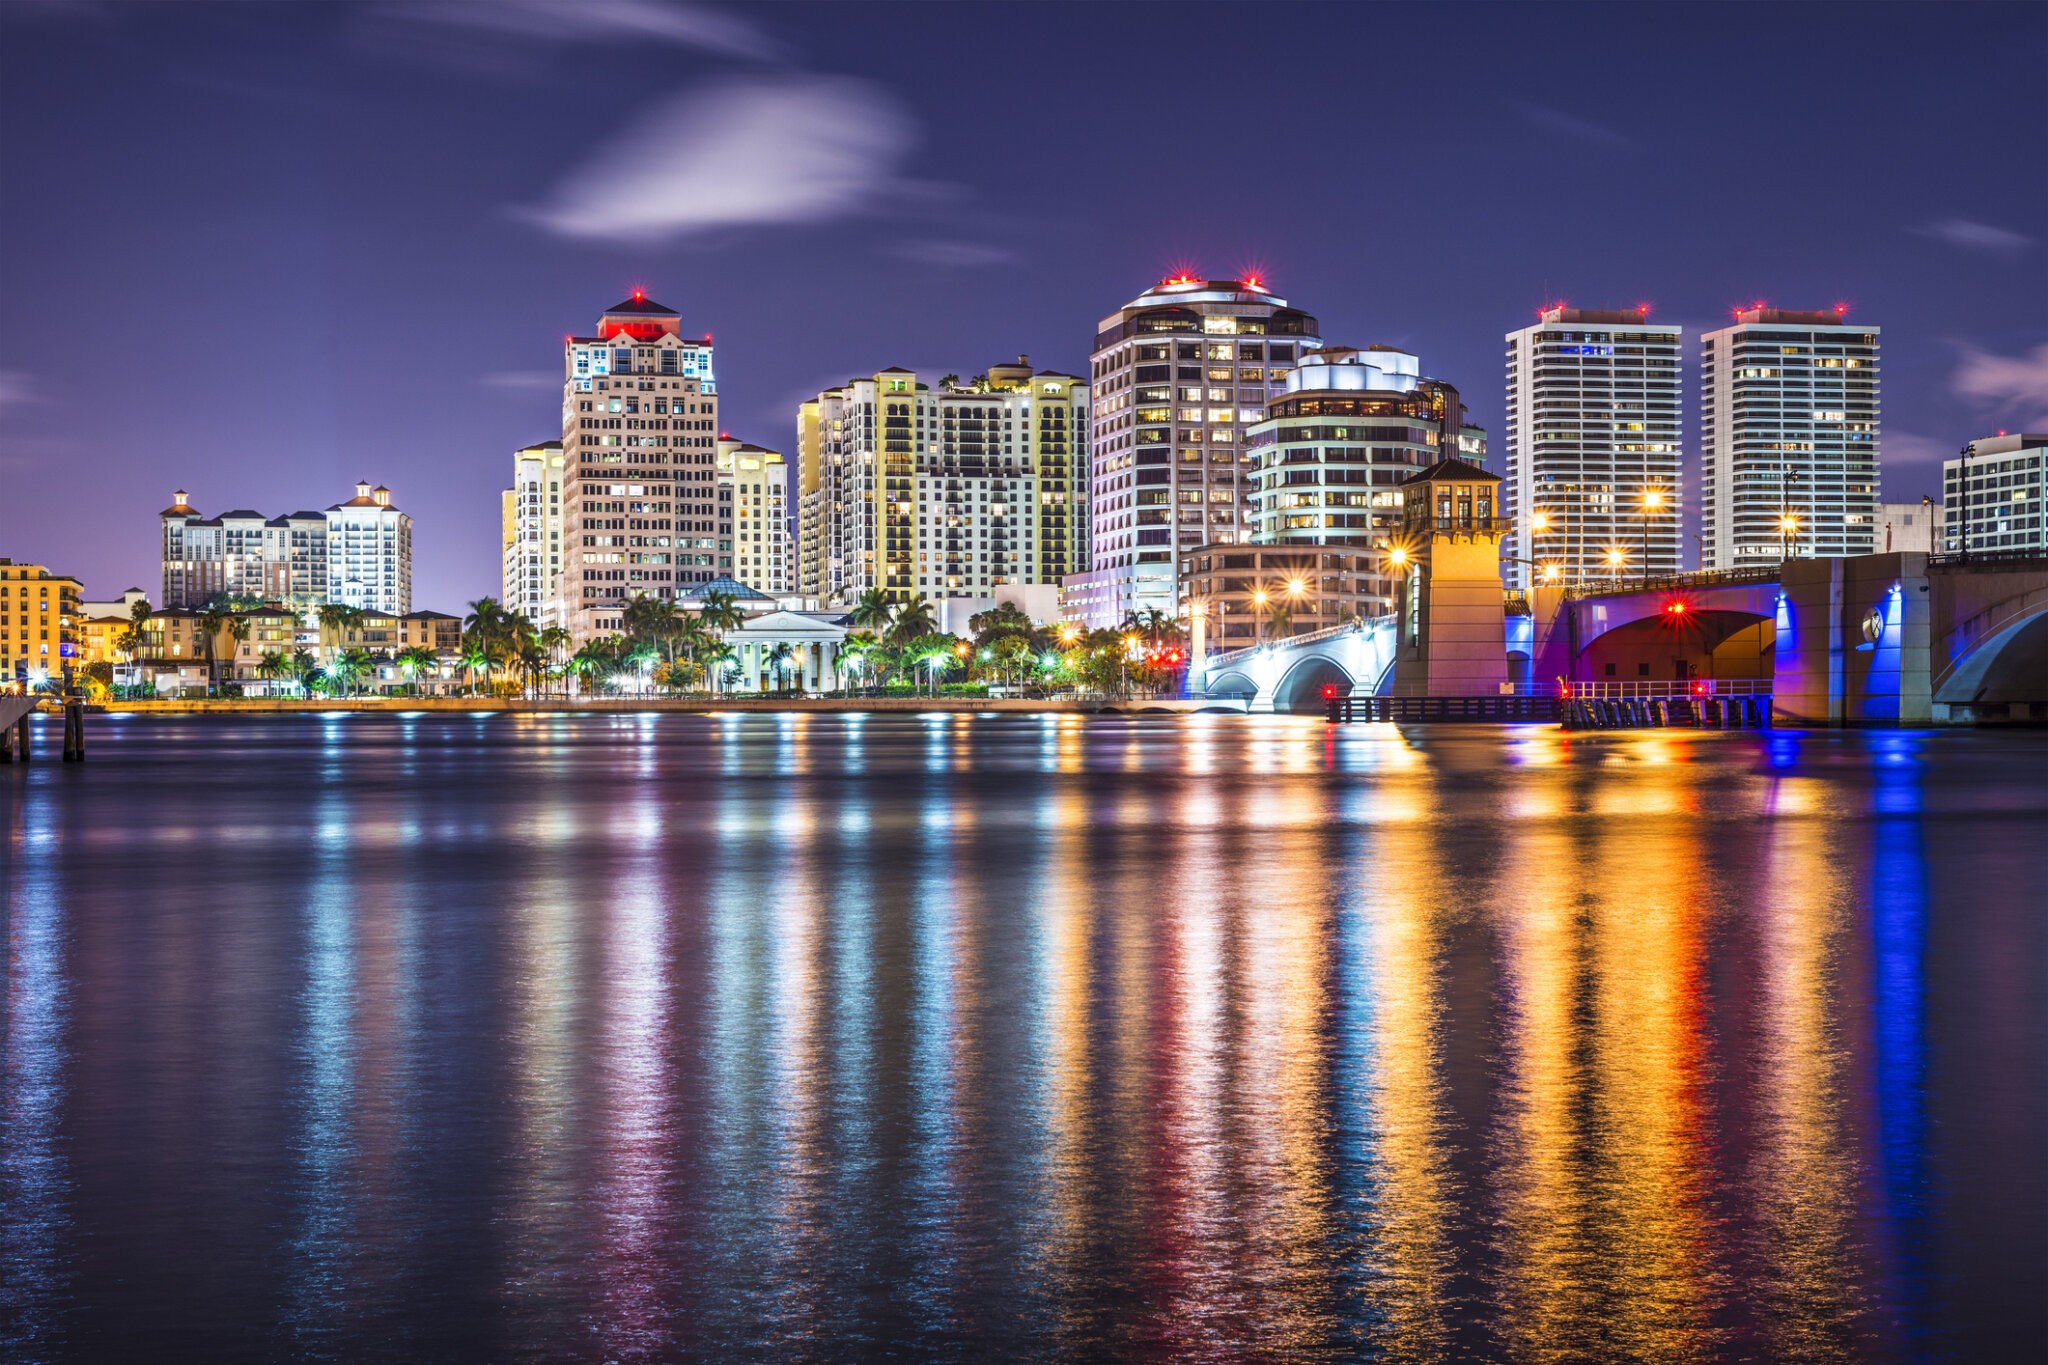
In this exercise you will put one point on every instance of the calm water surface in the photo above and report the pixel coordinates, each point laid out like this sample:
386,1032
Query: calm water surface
827,1037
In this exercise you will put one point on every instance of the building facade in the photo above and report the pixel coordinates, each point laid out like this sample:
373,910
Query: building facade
369,552
1909,527
532,532
1992,499
1178,374
357,552
943,492
1329,456
1594,422
754,543
41,616
1788,438
639,466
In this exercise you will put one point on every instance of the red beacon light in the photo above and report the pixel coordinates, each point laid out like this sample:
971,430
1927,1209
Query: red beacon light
1329,691
639,296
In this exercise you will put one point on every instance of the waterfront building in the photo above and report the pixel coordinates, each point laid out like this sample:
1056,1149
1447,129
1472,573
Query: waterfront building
639,469
1178,373
531,533
1327,461
40,616
369,552
1788,438
1593,427
753,517
946,492
357,552
1992,496
1909,527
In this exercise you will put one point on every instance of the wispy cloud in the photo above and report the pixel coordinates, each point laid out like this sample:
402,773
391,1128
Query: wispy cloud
522,381
1968,235
1571,125
2011,386
747,152
523,22
949,255
17,390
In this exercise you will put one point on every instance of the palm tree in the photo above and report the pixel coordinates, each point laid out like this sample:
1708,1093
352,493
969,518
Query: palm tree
913,620
1279,620
271,664
304,668
210,622
555,641
476,657
872,611
348,668
412,662
779,661
720,613
533,661
238,631
137,635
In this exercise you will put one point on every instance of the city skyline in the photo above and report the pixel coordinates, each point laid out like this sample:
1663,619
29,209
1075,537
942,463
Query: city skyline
458,219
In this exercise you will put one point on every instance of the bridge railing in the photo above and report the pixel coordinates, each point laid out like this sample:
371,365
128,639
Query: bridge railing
1644,688
1326,633
1703,578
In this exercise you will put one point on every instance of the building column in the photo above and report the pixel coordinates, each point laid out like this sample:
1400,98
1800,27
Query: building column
828,678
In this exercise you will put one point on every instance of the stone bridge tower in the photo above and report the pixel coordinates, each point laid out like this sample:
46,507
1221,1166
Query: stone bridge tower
1452,637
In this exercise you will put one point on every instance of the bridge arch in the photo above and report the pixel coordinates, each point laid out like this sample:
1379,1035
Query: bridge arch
2004,659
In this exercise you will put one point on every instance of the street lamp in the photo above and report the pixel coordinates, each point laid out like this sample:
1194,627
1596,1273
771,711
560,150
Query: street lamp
1788,528
1616,557
1653,499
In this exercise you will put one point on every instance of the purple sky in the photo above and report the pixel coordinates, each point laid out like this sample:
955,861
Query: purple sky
260,250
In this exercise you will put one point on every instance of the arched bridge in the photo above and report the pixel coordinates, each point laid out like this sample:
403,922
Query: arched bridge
1290,674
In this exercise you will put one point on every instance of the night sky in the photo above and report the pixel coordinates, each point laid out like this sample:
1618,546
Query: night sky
261,250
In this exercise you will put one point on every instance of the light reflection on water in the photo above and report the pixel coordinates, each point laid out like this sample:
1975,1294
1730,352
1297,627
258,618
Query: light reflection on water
812,1036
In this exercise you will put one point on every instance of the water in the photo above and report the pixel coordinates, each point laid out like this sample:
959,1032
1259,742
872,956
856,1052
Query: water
636,1038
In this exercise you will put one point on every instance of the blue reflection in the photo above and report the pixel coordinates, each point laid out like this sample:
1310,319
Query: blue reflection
1899,938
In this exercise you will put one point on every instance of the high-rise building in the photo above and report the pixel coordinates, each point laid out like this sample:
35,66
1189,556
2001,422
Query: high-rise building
369,552
753,518
1593,429
1992,497
41,616
1178,373
532,532
1788,438
811,553
946,492
357,552
639,466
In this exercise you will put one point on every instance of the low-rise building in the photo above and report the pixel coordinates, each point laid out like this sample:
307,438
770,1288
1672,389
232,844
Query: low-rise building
1249,593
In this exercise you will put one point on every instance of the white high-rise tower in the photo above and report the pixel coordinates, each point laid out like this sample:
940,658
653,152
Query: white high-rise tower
1788,438
1593,427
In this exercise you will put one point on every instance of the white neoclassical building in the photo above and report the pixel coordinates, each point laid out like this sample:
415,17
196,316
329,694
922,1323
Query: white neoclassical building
813,637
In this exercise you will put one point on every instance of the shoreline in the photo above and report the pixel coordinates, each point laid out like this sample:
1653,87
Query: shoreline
679,705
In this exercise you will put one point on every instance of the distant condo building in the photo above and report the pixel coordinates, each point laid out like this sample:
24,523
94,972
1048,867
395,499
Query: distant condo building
1992,500
639,466
1327,461
753,518
1593,430
1788,438
358,553
532,532
946,492
1179,373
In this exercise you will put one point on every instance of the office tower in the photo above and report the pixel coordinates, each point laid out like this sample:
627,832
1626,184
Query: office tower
357,552
1992,495
532,532
1178,373
1788,438
1593,428
41,619
639,475
753,518
1327,461
369,552
947,492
